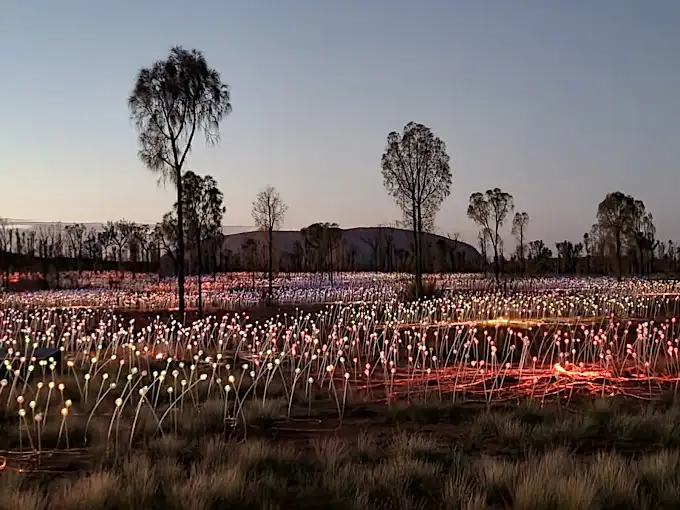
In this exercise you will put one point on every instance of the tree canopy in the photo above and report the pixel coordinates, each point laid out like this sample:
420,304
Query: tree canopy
417,174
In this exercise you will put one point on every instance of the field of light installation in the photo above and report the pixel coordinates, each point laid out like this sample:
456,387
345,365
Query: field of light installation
455,402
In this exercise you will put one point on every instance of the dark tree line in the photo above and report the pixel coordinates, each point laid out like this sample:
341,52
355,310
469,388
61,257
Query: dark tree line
621,242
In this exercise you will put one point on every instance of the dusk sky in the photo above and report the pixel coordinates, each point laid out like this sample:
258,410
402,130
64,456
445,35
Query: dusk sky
557,103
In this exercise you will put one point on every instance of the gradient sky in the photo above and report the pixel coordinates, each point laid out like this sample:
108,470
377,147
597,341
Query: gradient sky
557,103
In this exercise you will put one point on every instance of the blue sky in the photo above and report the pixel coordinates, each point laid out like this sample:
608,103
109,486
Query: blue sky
556,102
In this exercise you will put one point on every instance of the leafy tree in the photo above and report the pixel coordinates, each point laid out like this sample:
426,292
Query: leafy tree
489,211
202,203
173,100
322,241
165,234
519,227
616,219
268,211
539,254
416,172
568,254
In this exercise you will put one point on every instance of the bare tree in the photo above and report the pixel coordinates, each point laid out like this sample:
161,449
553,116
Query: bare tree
121,233
268,212
75,234
142,241
490,211
416,172
171,101
92,247
519,226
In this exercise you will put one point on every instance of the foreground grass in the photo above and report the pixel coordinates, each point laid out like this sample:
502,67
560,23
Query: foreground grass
411,471
601,455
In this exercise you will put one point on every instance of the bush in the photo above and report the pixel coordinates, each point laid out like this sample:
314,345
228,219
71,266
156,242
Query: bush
430,291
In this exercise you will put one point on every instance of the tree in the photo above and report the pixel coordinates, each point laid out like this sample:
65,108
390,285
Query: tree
490,211
416,173
540,254
75,234
143,240
588,249
92,247
483,243
671,256
323,241
519,226
616,217
204,209
268,211
120,233
568,254
5,247
453,247
171,101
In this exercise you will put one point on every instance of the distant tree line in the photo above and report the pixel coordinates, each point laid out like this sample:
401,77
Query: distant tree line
622,241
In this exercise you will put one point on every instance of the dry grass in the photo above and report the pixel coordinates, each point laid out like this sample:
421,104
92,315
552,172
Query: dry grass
520,457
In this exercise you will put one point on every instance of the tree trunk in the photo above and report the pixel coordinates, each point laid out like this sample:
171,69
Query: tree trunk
180,245
271,268
416,253
496,262
619,262
199,266
521,249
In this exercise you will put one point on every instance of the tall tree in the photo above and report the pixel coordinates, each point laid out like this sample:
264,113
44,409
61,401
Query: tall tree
75,234
204,210
519,227
416,172
165,236
616,218
5,248
143,239
268,211
173,100
489,211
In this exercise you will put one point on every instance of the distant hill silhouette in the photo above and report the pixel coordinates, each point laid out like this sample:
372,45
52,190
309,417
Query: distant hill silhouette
367,247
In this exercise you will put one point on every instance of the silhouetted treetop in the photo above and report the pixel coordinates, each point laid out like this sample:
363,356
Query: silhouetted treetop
171,101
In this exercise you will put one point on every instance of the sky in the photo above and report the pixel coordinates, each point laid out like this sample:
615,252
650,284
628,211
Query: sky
557,103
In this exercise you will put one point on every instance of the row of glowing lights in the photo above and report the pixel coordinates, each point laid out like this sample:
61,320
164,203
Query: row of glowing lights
311,335
459,306
229,291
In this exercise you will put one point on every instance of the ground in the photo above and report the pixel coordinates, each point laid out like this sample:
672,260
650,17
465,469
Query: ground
358,407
